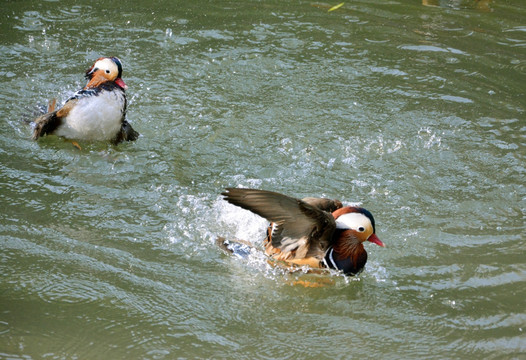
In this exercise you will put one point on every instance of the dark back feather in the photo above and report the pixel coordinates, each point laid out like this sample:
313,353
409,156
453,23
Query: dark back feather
301,229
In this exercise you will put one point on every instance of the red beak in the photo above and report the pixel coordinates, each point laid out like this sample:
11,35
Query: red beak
374,239
121,83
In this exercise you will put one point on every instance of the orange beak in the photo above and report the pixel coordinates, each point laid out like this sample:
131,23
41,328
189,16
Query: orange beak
374,239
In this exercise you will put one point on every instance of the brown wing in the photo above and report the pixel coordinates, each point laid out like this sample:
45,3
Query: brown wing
301,230
45,124
324,204
48,123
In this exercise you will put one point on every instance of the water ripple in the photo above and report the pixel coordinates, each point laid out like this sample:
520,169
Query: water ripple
415,112
70,291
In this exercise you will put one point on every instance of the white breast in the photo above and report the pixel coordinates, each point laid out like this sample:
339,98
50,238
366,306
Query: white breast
94,117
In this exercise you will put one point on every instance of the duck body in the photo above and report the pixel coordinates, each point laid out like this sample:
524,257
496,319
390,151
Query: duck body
95,113
314,232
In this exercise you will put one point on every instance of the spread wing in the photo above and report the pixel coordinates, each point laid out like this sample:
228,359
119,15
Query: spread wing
300,229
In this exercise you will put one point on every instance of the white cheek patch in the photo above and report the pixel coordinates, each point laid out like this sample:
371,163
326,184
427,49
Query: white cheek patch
106,64
353,221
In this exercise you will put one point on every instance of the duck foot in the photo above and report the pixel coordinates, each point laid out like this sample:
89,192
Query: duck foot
74,143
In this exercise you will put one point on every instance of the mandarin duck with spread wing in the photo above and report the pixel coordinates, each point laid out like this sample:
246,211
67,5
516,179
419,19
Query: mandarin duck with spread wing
316,232
95,113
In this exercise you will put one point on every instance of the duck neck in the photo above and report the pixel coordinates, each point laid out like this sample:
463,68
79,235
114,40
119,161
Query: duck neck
347,254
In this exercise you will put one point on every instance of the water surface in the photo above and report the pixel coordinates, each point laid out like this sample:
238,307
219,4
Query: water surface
416,111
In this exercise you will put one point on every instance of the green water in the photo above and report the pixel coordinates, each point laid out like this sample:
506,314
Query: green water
416,112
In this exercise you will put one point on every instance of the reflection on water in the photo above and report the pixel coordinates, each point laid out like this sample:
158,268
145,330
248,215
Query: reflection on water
415,112
482,5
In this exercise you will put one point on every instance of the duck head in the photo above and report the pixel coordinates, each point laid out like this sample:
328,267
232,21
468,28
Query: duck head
103,70
354,226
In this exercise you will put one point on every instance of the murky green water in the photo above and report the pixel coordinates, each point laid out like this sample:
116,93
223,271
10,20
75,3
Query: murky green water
417,112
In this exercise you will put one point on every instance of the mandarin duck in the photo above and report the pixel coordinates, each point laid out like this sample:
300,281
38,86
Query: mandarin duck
316,232
97,112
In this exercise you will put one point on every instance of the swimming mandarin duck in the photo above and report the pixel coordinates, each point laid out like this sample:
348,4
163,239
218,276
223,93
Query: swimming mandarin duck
97,112
317,232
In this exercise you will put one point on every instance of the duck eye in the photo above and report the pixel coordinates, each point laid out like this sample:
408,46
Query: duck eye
361,229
